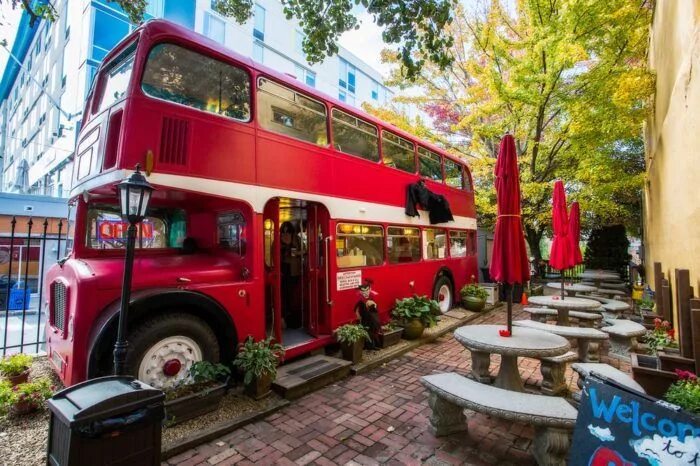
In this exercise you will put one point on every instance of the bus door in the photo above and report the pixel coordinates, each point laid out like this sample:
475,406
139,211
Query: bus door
316,235
271,246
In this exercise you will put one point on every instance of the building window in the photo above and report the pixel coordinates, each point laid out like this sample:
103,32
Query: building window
259,23
179,75
180,12
430,164
359,245
354,136
453,174
299,41
403,244
398,152
214,28
108,30
258,50
434,242
346,79
375,90
288,112
342,96
67,35
306,76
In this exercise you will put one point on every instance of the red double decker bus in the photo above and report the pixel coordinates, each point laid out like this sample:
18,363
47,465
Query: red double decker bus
273,203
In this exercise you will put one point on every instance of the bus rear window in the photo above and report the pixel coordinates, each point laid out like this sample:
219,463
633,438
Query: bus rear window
185,77
162,228
116,80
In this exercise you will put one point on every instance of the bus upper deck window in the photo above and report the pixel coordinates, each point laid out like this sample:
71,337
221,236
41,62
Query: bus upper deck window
398,152
185,77
354,136
116,80
454,176
430,164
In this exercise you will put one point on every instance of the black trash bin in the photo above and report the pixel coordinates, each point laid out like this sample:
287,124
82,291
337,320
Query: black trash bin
106,421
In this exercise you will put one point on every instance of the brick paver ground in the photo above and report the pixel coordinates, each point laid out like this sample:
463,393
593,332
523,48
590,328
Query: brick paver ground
380,418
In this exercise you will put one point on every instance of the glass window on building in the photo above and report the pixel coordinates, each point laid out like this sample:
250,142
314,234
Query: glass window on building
458,243
359,245
306,76
430,164
258,52
259,23
310,78
354,136
180,11
403,244
453,174
179,75
434,244
107,31
288,112
346,78
398,152
375,90
214,28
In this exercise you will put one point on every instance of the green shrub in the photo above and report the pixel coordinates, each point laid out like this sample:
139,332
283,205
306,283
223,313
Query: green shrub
205,371
417,307
685,392
646,303
473,289
11,366
351,333
33,393
257,359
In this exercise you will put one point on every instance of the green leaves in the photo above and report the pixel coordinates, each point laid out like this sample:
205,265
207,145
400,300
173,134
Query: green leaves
260,358
351,333
417,307
15,364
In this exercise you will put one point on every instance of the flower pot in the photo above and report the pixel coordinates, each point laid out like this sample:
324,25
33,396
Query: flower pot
196,404
472,303
259,387
413,329
671,361
19,378
353,351
646,373
23,407
390,337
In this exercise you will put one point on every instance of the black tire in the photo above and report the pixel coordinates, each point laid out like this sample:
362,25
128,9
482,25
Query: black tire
439,283
162,326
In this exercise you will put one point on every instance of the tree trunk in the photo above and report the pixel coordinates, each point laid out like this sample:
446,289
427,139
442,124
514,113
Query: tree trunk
533,238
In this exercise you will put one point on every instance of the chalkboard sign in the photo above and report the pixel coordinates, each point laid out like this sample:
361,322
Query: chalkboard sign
617,426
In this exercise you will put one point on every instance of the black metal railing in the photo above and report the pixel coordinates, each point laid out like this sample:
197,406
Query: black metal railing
571,274
26,253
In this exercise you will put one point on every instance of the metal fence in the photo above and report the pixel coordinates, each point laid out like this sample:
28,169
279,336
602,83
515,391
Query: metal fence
26,253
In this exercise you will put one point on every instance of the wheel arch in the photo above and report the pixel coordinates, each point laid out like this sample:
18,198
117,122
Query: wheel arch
149,303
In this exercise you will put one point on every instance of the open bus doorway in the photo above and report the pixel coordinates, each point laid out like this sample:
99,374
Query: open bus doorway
294,233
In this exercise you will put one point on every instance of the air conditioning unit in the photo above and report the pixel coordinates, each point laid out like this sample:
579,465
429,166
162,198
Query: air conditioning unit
492,289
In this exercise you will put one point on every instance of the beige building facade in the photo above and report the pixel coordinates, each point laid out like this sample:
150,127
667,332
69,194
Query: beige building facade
672,187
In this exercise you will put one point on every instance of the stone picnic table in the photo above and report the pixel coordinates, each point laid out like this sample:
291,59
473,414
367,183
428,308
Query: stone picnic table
563,306
572,288
612,293
482,340
598,276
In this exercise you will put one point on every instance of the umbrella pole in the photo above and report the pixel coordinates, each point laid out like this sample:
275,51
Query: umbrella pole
509,300
562,284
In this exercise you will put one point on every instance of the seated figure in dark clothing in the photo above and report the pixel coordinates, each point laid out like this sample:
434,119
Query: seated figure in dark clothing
367,314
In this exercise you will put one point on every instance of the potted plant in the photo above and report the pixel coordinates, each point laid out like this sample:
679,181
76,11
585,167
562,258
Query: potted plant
646,369
259,361
661,337
16,368
390,335
24,398
415,314
685,392
646,305
200,393
352,339
473,297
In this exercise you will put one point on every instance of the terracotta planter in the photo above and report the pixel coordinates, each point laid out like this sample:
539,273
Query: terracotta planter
672,361
472,303
390,338
353,351
647,374
18,379
259,387
413,329
194,405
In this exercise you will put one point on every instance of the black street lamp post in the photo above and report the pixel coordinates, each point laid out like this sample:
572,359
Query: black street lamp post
134,195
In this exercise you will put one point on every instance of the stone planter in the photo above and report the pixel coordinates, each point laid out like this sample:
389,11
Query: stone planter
646,373
19,378
190,406
353,351
413,329
671,361
259,387
472,303
390,338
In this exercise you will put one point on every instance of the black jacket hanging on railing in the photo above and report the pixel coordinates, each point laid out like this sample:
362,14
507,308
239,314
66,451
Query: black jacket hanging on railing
437,206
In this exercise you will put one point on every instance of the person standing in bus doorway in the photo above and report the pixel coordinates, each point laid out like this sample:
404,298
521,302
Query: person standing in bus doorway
291,269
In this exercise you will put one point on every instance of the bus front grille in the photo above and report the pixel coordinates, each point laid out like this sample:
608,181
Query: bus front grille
58,305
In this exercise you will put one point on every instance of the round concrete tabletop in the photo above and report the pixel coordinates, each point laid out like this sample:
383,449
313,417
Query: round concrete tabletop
523,342
555,302
576,287
599,275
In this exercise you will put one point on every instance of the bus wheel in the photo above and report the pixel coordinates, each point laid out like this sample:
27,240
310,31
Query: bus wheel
162,349
442,293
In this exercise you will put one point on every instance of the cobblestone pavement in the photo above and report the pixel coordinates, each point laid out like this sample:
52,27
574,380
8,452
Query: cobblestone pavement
380,417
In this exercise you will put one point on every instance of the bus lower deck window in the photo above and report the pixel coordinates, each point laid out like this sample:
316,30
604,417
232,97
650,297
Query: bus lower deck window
434,244
403,244
359,245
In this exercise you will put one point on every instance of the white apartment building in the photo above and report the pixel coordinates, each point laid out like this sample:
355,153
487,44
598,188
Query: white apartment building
41,101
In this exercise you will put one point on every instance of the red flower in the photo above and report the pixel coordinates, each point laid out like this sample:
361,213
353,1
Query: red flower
671,333
685,375
657,323
665,324
504,333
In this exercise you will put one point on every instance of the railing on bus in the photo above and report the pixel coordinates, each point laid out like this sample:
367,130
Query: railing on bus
26,253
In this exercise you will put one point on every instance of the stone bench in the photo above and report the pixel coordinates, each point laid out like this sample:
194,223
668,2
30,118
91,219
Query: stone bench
587,338
585,319
611,307
553,371
585,369
623,336
554,418
614,286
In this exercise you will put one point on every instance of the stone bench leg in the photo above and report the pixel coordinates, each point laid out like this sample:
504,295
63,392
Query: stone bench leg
588,351
446,418
480,366
538,318
621,346
551,446
553,381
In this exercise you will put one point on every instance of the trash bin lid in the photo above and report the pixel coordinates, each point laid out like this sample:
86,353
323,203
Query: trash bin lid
103,397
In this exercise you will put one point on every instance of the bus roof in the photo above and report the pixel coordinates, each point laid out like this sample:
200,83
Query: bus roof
158,29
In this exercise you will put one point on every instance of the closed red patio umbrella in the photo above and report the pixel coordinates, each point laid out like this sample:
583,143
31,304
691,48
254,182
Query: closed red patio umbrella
560,252
509,262
575,233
